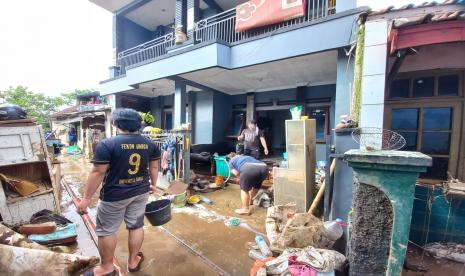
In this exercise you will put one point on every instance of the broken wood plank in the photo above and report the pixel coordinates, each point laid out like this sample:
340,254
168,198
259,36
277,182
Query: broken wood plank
25,261
10,237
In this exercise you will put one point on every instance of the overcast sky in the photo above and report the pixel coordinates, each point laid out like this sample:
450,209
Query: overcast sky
55,46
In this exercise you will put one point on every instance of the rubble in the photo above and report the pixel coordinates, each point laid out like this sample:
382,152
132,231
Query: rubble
10,237
24,261
450,251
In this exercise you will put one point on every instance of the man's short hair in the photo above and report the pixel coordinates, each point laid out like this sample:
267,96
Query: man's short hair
253,122
126,119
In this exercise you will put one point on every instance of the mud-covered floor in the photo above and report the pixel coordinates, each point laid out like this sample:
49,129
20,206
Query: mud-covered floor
202,228
197,241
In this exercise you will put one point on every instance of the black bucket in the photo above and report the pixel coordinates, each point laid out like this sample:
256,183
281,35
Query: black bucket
158,212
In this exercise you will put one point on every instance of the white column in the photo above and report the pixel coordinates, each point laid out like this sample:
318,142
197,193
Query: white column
374,74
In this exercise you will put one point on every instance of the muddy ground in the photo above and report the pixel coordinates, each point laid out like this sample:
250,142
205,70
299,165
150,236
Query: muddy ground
197,240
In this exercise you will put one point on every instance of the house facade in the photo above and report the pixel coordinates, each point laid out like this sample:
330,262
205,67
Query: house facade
221,77
89,117
412,82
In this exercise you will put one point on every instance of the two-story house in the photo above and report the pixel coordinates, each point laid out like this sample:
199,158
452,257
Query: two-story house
241,60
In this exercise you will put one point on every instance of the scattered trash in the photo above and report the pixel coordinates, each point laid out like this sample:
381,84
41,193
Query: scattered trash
333,229
233,222
176,188
10,237
194,199
303,230
219,181
276,219
40,228
49,216
321,260
258,268
263,246
449,251
206,200
264,198
256,255
180,200
20,186
63,235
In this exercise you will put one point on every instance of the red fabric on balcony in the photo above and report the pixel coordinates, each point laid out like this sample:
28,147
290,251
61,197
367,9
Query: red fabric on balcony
257,13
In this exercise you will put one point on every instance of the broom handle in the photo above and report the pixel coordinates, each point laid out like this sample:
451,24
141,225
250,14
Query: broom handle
322,189
90,225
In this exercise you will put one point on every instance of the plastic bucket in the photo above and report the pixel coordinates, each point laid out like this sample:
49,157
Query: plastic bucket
158,212
180,200
222,167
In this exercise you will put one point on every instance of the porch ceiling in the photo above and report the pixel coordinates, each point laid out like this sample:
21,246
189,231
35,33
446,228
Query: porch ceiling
112,5
313,69
229,4
153,14
161,87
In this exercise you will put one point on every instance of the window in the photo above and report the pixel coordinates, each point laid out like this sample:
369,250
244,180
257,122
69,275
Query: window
400,88
420,107
428,130
321,116
448,85
432,85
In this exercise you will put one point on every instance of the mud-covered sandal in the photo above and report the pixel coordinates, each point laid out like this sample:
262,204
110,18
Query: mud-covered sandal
137,268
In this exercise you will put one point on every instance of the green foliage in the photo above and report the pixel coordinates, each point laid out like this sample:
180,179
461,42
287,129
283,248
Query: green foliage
357,93
147,118
70,97
37,105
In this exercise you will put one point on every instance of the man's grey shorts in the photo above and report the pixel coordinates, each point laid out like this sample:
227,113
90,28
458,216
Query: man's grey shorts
110,215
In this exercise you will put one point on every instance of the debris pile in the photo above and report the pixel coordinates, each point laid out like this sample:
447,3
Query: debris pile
23,256
300,242
450,251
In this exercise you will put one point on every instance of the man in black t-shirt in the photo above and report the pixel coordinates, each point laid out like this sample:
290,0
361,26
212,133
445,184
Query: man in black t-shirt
124,164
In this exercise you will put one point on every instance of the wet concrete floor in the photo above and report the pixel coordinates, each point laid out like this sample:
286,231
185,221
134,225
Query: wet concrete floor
215,247
203,228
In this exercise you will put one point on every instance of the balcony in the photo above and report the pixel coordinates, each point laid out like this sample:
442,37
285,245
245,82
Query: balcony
220,27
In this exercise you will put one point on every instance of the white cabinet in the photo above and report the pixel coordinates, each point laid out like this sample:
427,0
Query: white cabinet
296,183
24,155
21,144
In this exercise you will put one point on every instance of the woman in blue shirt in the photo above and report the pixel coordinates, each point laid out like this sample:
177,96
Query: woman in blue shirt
251,173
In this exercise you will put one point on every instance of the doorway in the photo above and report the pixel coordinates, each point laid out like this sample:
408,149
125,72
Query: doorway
272,122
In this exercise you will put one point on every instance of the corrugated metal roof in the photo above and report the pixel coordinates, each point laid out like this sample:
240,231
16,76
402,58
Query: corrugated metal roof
68,110
426,12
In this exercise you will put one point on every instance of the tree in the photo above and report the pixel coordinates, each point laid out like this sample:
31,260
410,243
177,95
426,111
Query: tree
37,105
70,97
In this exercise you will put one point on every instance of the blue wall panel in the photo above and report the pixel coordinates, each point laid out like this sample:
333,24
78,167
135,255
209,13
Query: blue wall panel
203,117
444,222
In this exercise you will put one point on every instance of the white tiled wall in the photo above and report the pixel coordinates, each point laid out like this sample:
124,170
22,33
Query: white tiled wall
374,74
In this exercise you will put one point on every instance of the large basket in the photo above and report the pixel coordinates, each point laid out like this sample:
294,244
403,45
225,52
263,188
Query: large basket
372,138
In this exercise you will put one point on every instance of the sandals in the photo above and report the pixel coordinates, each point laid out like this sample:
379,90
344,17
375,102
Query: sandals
137,268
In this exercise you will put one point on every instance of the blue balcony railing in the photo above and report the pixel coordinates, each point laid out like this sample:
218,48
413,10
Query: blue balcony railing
146,51
218,27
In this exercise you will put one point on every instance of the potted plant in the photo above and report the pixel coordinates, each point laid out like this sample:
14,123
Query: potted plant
147,119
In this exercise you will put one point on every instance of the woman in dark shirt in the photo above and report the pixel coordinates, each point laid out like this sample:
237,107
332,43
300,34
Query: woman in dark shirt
251,173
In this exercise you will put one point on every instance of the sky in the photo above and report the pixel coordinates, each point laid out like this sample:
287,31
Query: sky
56,46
